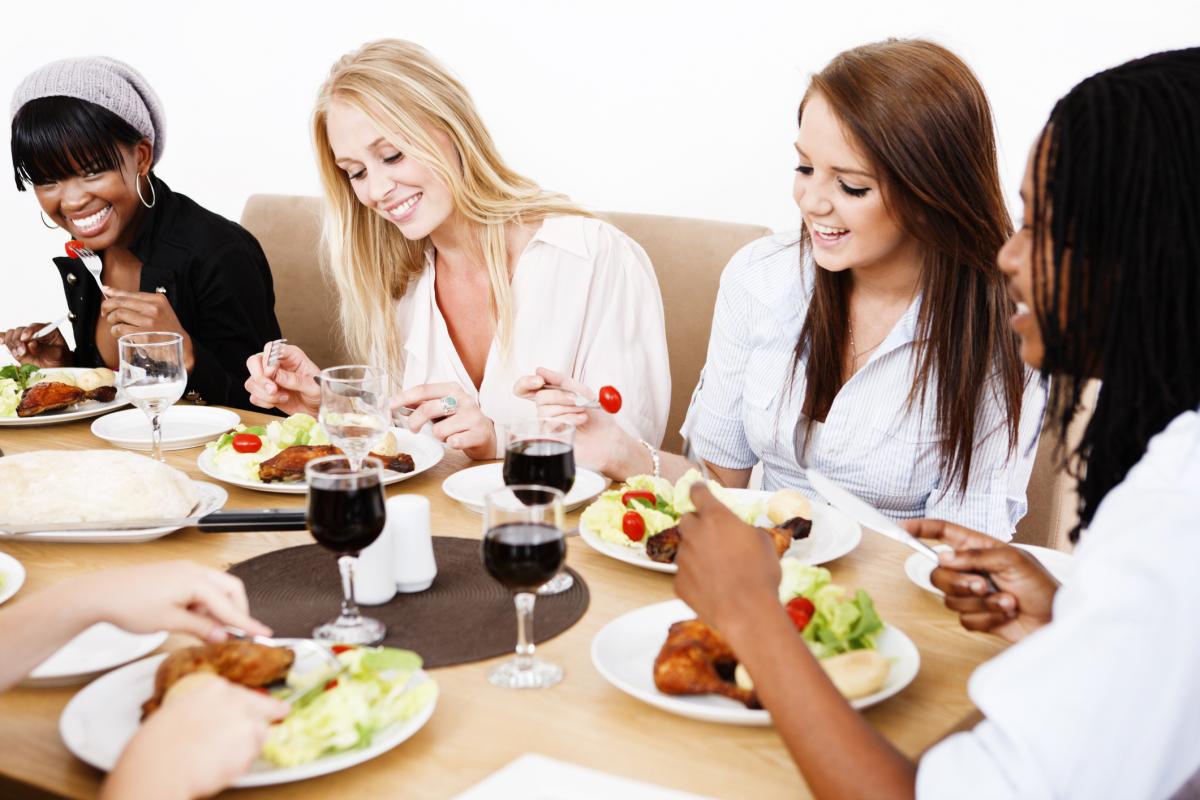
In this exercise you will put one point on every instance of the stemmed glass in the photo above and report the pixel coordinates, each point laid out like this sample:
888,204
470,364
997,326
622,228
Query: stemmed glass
152,376
355,408
523,547
346,514
542,452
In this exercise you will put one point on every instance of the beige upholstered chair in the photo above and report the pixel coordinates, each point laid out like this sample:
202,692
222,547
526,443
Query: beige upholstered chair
289,229
1053,502
688,256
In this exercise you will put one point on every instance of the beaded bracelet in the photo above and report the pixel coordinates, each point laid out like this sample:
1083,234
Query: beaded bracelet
653,451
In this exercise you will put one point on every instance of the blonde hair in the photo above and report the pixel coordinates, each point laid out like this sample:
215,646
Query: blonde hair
406,93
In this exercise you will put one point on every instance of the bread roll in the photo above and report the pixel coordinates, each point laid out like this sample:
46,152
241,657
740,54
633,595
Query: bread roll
56,486
388,446
88,380
107,376
788,504
857,673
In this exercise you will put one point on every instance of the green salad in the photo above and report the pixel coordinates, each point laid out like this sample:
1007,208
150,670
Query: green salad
241,458
671,501
837,622
345,712
13,382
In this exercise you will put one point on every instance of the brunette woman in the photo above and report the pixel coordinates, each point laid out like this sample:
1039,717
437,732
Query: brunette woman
1099,696
873,347
86,135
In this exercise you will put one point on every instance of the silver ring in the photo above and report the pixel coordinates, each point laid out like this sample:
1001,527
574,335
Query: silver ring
449,405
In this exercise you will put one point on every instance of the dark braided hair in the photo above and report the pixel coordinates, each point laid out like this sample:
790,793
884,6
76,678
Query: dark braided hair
1117,191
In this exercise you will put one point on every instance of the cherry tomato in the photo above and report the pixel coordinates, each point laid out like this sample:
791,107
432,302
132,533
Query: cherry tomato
638,494
801,610
72,246
332,684
633,525
341,648
247,443
610,399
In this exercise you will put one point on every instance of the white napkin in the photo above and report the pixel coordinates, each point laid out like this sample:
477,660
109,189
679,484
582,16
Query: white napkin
537,777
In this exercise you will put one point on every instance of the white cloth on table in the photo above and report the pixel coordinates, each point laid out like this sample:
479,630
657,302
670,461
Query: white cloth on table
746,408
1105,700
585,303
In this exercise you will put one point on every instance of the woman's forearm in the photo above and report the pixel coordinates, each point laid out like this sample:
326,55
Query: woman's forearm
35,628
839,754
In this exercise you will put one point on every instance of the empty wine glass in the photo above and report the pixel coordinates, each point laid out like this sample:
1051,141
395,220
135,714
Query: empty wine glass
523,547
346,514
152,376
355,408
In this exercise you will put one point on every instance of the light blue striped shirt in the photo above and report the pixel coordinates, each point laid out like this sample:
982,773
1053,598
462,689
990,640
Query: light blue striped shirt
746,407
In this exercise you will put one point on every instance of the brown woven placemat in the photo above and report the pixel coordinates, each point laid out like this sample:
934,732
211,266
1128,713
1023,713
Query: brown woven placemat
464,616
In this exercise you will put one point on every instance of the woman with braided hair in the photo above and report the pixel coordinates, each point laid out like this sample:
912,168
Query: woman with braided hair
1098,697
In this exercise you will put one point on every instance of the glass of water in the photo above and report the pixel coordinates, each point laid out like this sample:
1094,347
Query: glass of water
152,376
355,409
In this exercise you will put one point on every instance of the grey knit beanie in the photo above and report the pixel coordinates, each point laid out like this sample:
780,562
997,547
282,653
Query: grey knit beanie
108,83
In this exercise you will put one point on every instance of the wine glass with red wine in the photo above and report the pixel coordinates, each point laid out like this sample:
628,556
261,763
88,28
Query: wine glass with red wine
523,547
541,452
345,515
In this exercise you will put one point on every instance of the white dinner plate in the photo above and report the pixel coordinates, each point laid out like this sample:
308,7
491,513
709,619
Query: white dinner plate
84,410
182,427
833,535
624,650
469,486
12,575
104,715
918,568
212,498
425,451
96,650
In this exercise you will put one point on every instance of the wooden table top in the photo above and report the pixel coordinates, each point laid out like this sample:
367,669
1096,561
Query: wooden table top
478,728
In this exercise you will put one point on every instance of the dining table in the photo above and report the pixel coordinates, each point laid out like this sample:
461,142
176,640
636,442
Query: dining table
477,728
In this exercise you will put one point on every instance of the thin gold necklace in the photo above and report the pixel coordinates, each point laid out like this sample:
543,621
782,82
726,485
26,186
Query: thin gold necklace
856,354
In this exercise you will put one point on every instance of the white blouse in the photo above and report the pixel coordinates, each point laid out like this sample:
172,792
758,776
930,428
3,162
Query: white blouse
746,407
1105,700
586,303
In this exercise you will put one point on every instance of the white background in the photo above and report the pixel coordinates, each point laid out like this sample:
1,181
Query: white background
684,108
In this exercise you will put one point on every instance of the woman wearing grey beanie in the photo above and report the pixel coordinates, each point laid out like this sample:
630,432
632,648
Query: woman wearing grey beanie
86,135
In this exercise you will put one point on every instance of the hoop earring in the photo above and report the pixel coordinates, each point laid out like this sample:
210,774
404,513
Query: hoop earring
42,214
137,185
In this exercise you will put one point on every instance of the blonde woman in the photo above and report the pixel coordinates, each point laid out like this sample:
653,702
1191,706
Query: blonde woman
457,274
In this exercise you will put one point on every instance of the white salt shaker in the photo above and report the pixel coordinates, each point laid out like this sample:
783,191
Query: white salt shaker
408,520
374,575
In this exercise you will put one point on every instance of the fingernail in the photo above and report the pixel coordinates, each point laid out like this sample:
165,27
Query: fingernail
216,635
978,587
945,557
1006,603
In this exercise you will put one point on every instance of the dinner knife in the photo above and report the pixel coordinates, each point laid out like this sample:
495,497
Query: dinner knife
260,519
865,514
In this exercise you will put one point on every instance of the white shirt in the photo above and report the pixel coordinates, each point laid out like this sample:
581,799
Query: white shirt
585,303
1105,700
746,408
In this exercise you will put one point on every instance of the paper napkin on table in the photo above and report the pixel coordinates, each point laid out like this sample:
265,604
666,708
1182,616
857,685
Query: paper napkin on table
537,777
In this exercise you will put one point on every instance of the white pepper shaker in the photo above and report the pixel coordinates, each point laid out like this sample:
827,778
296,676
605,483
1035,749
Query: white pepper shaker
408,518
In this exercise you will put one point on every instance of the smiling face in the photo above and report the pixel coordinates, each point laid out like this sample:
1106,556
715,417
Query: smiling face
841,200
399,188
101,208
1015,260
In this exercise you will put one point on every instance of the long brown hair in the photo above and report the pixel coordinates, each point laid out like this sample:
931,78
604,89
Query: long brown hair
921,117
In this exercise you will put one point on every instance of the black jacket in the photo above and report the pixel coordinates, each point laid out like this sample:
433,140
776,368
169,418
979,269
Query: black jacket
217,280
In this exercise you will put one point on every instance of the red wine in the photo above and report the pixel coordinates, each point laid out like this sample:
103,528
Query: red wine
545,462
346,521
523,555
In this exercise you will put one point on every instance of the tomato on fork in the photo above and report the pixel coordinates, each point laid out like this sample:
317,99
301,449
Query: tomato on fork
610,399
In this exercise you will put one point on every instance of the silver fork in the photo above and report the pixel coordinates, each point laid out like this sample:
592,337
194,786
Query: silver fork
274,351
92,262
